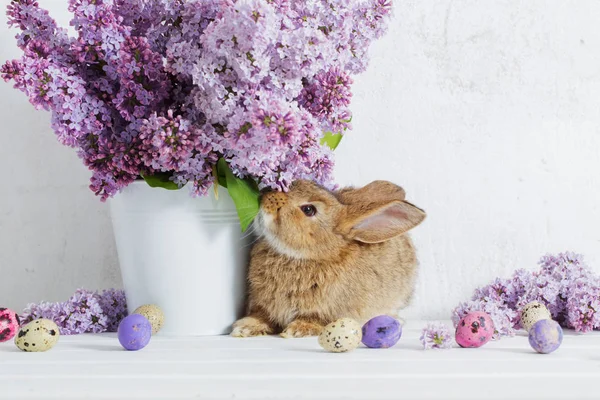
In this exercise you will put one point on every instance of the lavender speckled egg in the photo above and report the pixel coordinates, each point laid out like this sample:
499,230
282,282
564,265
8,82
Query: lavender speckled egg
381,332
545,336
532,313
134,332
9,324
474,330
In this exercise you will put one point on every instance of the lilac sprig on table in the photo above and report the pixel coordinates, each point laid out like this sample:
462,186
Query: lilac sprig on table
436,335
166,88
86,311
564,284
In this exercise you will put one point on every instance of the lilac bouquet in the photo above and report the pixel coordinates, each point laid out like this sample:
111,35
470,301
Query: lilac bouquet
250,94
570,291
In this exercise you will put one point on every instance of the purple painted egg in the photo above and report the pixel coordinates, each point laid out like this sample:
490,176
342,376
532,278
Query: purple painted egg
134,332
545,336
474,330
381,332
9,324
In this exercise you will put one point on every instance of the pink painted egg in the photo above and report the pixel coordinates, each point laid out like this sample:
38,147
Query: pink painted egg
9,324
474,330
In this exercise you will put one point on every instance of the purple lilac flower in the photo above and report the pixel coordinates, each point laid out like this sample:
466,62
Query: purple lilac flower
370,15
254,82
52,311
279,126
328,98
436,335
583,304
169,142
84,312
36,24
570,291
114,307
143,84
500,290
116,162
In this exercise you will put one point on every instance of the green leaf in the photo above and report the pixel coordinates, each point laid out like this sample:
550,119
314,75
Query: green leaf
244,193
220,169
160,180
331,139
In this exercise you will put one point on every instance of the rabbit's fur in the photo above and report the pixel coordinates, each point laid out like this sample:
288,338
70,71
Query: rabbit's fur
351,259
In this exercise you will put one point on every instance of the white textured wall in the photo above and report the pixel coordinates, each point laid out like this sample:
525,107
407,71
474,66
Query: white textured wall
487,112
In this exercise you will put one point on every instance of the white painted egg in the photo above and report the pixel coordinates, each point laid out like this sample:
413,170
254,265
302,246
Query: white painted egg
152,314
532,313
340,336
38,335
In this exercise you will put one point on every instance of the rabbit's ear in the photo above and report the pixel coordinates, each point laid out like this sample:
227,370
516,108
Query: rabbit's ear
378,223
376,191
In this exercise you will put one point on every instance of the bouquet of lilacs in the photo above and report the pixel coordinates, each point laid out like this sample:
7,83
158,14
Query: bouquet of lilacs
570,291
85,311
249,94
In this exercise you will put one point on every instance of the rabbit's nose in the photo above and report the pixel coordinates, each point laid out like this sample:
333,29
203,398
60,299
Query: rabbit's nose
272,201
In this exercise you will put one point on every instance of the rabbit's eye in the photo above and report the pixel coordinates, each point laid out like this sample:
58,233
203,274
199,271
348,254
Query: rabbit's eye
309,210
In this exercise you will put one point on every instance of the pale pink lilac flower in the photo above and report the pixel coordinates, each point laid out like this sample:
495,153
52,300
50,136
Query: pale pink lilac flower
436,335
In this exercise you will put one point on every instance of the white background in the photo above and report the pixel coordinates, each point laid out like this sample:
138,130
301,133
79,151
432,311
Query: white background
487,112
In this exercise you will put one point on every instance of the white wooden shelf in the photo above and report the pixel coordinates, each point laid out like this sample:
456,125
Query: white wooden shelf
221,367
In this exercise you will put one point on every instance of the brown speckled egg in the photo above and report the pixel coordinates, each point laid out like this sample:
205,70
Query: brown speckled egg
532,313
153,314
340,336
38,335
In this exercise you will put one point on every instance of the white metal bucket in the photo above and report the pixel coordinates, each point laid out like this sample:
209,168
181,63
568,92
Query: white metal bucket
187,255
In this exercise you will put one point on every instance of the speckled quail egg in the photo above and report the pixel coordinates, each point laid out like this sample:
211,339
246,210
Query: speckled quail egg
532,313
340,336
39,335
153,314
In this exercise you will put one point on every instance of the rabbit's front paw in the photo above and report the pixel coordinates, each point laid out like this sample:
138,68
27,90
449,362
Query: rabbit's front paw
300,328
251,326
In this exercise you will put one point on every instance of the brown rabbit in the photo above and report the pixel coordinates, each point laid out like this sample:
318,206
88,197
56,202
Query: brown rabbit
326,255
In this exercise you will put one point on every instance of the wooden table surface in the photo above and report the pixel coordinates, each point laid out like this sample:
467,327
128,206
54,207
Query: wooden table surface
221,367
